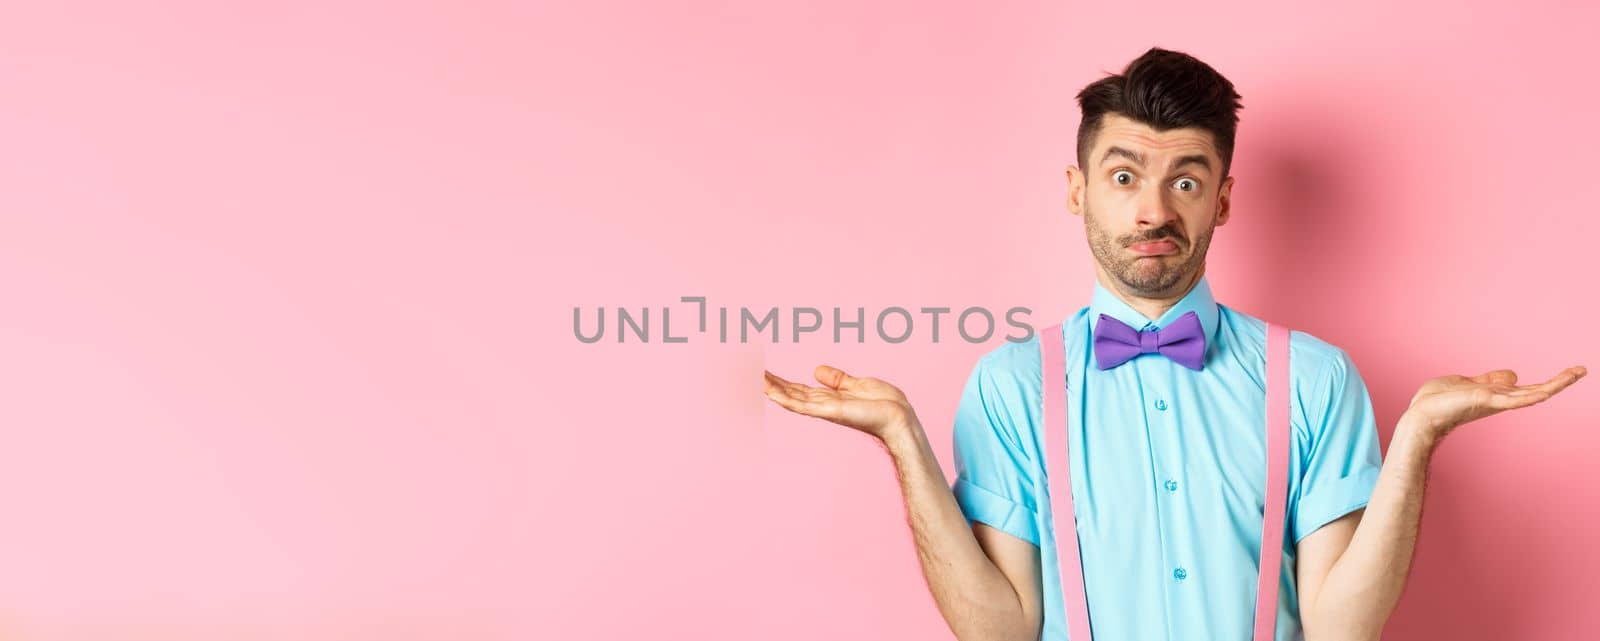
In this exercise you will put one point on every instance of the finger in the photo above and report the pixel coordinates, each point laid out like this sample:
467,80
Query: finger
1515,400
792,397
833,377
777,385
1558,382
772,382
823,408
793,404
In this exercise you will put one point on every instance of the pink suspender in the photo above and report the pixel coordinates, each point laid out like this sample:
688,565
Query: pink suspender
1056,459
1060,484
1272,524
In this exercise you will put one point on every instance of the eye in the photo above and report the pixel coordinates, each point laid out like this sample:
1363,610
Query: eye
1118,175
1187,184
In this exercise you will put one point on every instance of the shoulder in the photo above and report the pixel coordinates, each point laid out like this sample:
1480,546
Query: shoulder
1310,356
1010,360
1322,375
1021,361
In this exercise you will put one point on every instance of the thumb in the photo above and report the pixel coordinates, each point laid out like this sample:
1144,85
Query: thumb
1504,376
833,377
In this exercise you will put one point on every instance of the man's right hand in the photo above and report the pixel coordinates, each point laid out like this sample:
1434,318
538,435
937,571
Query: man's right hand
984,580
867,404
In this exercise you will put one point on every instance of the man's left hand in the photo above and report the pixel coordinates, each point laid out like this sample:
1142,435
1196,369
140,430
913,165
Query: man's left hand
1448,402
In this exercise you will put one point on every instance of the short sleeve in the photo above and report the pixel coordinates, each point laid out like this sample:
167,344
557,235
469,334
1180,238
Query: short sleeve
992,483
1342,458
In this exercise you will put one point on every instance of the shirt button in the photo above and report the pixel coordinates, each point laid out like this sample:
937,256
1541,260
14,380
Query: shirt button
1161,404
1180,574
1172,486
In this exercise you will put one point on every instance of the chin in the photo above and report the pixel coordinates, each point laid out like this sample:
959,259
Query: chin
1152,280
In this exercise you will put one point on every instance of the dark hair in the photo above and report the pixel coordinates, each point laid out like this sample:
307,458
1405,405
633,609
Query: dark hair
1165,90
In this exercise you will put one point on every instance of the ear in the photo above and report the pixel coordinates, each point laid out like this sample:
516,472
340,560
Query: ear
1075,187
1224,201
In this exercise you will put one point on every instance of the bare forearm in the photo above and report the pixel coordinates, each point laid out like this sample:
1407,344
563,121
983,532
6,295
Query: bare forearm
976,599
1364,585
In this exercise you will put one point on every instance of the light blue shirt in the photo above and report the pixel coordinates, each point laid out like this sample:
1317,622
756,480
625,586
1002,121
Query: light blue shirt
1168,468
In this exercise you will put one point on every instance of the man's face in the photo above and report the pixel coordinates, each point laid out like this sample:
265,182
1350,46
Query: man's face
1150,202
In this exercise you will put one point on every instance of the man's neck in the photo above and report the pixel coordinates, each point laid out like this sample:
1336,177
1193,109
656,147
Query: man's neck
1151,307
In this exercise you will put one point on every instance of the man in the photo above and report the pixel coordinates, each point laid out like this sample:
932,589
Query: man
1173,453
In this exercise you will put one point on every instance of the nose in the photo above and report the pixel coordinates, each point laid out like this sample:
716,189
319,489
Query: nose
1155,210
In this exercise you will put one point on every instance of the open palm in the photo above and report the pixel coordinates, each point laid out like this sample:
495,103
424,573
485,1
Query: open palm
1450,401
864,403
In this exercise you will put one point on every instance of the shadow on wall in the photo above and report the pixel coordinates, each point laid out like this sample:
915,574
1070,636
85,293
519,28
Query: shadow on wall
1314,224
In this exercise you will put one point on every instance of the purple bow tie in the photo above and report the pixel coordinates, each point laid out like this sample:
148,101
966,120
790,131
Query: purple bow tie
1184,341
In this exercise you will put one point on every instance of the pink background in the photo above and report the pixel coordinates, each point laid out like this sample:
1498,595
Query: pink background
287,346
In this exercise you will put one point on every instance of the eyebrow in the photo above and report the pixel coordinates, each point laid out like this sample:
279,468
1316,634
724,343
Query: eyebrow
1138,158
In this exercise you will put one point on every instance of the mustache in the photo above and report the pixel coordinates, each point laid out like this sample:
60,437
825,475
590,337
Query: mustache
1151,236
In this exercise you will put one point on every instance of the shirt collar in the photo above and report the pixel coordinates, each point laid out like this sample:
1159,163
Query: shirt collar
1199,300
